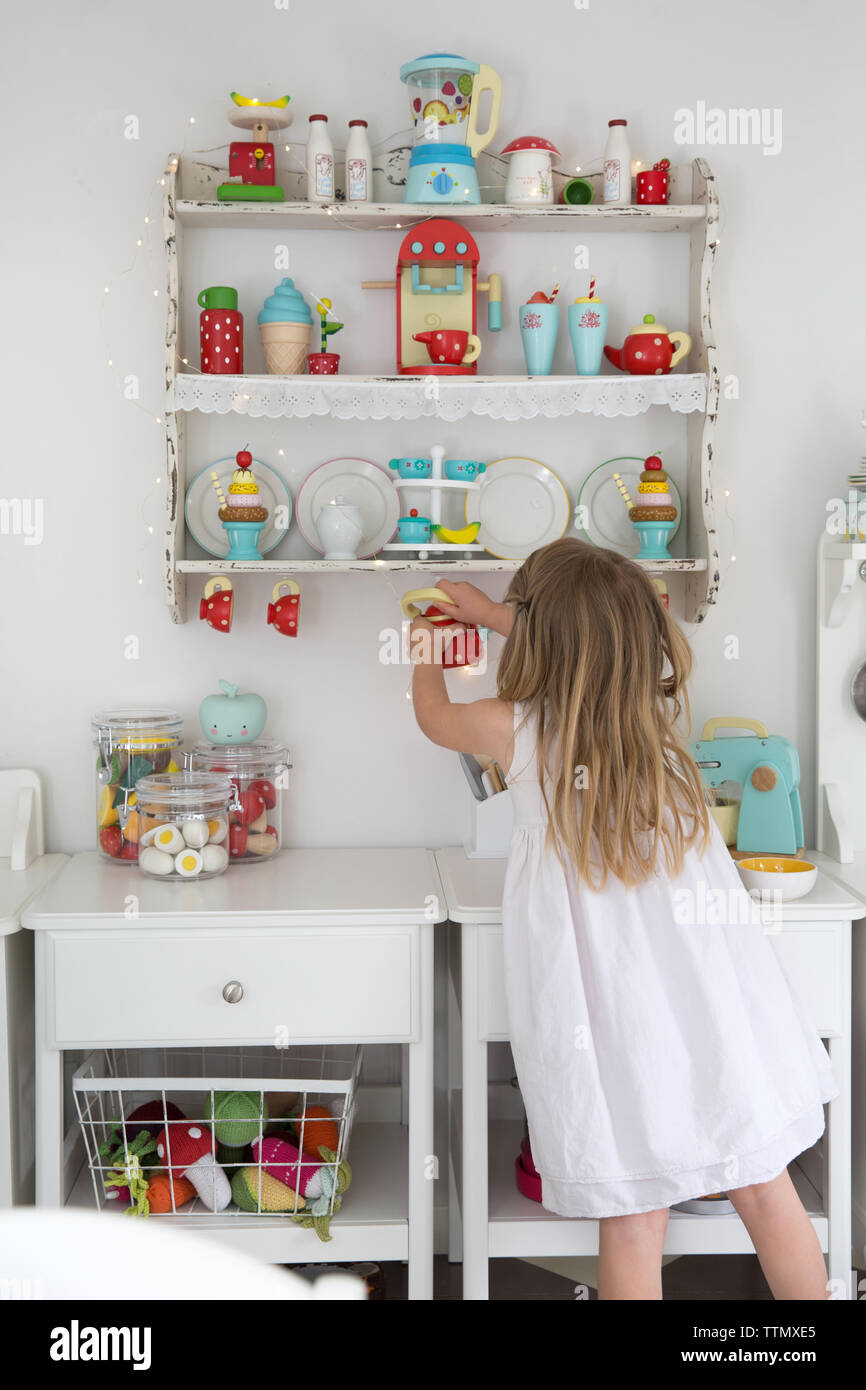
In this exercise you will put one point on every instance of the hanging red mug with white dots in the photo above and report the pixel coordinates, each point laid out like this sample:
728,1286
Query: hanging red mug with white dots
221,329
284,609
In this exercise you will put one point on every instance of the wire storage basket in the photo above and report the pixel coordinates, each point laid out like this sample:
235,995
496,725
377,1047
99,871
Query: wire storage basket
254,1131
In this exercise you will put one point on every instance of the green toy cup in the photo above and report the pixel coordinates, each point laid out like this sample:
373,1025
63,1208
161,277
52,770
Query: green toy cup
219,297
577,192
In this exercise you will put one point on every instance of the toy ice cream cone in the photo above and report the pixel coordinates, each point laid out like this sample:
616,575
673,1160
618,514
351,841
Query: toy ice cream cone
285,322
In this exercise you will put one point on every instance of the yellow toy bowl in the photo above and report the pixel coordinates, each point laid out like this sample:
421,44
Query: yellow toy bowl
769,874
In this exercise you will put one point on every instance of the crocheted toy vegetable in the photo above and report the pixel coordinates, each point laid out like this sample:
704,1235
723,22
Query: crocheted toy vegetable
318,1128
127,1182
238,1117
275,1196
187,1151
160,1189
318,1182
152,1115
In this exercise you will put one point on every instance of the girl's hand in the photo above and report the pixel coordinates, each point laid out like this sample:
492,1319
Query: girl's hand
472,606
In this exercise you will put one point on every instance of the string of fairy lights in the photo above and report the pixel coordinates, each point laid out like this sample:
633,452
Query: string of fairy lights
152,218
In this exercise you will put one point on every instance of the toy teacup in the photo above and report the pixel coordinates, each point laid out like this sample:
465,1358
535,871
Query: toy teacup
461,470
413,529
412,468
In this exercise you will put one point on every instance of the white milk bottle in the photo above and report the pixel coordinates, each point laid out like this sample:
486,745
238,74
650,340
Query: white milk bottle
617,166
359,164
320,162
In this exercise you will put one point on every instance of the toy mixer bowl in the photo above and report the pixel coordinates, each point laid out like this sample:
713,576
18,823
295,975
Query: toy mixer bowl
768,874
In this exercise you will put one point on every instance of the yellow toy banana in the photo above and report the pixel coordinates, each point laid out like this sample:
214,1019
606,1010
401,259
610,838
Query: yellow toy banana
465,536
254,101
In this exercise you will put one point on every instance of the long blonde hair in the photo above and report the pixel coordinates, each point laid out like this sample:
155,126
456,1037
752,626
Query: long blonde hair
596,658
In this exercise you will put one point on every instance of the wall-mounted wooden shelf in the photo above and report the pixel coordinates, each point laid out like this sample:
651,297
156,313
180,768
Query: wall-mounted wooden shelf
190,204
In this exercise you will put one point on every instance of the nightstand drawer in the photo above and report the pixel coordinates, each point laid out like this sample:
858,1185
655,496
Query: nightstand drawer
307,984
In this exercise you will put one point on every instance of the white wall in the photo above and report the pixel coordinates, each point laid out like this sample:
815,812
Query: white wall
788,315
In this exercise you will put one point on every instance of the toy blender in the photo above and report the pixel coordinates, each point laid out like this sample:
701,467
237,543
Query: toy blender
444,94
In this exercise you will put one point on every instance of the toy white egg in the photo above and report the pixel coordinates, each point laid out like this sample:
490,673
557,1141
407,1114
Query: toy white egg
155,861
218,829
168,838
214,859
195,832
188,863
147,837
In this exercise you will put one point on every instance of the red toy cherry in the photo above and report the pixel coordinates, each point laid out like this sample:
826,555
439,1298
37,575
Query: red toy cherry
244,458
237,841
652,463
266,790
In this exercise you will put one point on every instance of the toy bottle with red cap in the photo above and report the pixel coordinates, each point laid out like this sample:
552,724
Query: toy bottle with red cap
320,162
617,166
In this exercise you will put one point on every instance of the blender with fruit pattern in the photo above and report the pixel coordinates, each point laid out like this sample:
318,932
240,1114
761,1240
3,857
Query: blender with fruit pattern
444,98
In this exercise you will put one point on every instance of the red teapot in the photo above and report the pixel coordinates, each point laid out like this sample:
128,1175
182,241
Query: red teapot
648,350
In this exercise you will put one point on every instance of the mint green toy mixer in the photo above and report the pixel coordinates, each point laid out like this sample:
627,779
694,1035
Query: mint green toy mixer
767,768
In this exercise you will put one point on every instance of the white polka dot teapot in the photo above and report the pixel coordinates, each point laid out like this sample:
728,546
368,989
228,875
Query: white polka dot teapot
649,349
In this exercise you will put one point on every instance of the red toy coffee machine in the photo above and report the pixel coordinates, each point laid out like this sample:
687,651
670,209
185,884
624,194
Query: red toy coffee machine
437,300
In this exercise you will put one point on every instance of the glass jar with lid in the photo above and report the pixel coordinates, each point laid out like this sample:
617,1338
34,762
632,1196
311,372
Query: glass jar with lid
184,824
259,771
130,743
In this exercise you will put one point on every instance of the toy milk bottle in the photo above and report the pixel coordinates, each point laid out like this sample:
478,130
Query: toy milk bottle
221,330
359,164
320,162
617,166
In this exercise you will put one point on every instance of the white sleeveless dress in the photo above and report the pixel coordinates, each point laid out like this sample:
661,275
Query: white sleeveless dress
660,1050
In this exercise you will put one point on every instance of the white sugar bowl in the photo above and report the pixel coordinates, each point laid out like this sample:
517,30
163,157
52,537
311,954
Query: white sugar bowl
341,529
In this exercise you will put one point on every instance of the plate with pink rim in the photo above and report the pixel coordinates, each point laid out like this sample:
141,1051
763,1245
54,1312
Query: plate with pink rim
360,483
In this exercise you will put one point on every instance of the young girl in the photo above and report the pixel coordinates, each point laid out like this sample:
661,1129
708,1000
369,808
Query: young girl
660,1050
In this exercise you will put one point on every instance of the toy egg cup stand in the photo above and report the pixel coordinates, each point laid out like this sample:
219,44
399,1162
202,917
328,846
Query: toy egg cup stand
444,95
426,534
437,289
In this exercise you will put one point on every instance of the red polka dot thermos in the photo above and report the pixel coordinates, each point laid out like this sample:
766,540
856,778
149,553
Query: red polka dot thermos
221,328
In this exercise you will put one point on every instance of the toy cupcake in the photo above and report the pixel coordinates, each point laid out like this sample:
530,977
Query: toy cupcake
285,322
242,513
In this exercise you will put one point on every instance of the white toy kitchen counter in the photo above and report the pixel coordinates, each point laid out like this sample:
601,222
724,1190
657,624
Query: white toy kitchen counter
488,1214
333,946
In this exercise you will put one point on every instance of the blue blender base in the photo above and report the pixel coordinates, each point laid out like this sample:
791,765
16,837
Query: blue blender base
441,174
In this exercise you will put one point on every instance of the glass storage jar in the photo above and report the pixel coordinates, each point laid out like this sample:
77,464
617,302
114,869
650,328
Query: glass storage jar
260,772
131,743
184,821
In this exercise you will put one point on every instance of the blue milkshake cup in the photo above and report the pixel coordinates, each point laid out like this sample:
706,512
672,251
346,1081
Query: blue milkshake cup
538,326
587,324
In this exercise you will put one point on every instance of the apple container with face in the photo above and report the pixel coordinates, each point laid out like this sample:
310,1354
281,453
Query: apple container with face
259,771
130,743
184,823
232,718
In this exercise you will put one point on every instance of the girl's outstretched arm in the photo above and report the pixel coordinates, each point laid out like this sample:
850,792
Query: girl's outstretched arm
482,726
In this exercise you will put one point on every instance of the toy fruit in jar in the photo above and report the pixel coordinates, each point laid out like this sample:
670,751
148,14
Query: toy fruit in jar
184,824
258,771
130,743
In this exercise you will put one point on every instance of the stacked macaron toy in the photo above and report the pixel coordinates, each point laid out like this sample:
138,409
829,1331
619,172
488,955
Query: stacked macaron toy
655,502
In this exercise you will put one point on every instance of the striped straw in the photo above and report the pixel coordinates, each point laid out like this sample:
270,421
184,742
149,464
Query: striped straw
592,288
554,292
623,490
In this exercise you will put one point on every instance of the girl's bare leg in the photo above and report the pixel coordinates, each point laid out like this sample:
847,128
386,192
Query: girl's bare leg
630,1255
784,1238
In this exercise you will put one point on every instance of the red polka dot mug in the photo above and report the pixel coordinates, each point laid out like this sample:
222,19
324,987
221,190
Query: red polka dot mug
284,609
217,605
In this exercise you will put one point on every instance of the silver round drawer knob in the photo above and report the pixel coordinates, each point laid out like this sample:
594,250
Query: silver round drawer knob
233,992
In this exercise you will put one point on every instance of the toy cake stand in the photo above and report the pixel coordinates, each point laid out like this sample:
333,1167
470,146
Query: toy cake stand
431,537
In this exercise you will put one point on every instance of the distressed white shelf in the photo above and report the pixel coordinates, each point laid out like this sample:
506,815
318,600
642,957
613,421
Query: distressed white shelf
290,566
304,217
455,398
190,205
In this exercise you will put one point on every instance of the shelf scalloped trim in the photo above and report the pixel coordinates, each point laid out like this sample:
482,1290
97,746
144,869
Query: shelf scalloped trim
406,398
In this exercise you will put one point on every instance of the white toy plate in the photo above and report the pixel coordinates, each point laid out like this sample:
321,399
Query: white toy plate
602,515
202,506
359,482
521,505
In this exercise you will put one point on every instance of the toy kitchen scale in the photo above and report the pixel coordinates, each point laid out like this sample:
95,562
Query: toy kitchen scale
444,97
437,300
